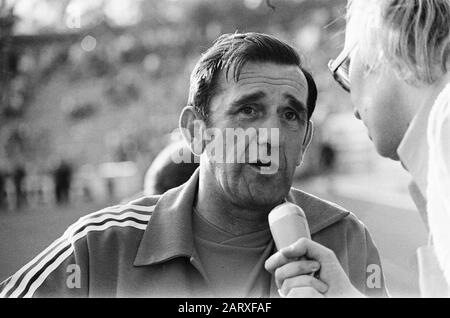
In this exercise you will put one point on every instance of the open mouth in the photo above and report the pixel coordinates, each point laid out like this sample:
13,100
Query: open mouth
260,164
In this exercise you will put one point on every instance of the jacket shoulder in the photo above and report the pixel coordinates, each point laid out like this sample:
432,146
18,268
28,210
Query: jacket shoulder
135,214
311,199
320,213
108,232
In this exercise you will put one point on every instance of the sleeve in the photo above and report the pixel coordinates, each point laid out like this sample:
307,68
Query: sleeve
375,283
59,271
358,255
360,258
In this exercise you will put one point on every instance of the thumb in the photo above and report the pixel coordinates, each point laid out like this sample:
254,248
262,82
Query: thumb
305,247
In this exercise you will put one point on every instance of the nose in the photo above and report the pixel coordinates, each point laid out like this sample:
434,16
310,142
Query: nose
271,132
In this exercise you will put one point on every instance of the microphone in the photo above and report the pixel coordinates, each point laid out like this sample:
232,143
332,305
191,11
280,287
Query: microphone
288,224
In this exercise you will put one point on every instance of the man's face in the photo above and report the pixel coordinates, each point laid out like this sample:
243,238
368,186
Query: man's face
267,97
378,98
378,95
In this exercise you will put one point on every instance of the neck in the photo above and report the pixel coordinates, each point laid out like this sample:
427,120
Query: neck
214,206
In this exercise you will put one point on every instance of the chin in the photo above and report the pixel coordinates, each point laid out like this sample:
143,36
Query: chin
394,157
267,197
388,152
258,191
272,202
258,199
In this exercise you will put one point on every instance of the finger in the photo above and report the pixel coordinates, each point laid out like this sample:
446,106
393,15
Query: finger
295,268
303,281
275,261
304,292
307,248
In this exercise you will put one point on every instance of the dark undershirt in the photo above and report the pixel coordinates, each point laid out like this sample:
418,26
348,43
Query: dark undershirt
234,265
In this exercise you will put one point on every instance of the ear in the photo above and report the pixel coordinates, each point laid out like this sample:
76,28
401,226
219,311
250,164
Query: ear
308,136
306,141
192,128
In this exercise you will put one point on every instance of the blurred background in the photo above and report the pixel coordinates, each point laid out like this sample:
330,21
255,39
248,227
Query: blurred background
90,91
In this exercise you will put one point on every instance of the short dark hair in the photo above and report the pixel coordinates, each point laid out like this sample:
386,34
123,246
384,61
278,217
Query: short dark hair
234,51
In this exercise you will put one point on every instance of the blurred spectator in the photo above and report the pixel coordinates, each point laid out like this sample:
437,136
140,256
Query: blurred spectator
62,178
327,163
327,158
164,174
19,175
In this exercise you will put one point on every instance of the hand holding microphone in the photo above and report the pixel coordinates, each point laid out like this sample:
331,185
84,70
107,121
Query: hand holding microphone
288,224
298,257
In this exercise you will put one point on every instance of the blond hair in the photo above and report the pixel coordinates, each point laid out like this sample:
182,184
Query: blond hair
413,36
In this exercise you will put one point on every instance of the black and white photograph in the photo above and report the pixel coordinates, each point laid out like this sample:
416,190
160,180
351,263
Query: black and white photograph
237,150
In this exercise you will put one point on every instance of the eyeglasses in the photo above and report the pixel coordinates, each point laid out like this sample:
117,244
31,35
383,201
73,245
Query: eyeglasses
339,67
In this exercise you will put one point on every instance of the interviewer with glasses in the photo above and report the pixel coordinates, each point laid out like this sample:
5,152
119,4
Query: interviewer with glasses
395,64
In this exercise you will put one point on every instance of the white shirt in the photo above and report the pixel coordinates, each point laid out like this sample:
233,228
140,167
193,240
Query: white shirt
438,179
425,152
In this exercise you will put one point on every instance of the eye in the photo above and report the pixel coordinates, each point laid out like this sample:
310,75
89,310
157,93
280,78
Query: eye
248,111
291,115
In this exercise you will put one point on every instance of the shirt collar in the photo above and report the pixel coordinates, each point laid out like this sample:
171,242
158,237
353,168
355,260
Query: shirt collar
169,232
319,213
413,150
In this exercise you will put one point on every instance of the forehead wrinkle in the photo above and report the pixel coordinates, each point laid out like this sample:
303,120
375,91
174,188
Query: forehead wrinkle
269,80
291,84
284,72
300,96
273,82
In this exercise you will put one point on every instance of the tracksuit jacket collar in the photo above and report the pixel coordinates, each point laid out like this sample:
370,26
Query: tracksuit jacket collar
169,232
